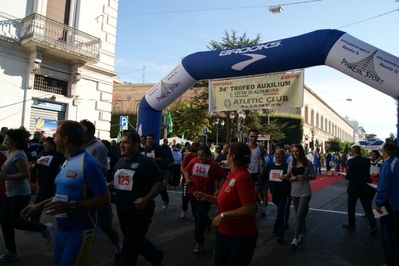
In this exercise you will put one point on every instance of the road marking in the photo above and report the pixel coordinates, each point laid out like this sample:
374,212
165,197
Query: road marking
331,211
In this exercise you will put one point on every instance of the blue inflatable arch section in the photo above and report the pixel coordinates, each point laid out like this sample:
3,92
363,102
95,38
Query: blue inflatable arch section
333,48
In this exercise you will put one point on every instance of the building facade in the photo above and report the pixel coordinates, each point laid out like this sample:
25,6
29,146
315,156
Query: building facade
57,62
322,122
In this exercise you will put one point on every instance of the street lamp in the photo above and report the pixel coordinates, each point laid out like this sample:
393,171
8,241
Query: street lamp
215,123
276,9
306,143
240,121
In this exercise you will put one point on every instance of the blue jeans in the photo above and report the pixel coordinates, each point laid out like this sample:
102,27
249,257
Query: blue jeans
202,220
317,167
234,251
10,218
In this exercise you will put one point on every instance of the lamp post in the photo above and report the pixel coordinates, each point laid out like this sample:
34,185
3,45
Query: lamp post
306,143
240,121
216,125
313,133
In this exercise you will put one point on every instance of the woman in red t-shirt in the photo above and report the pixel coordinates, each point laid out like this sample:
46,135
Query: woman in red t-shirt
237,231
202,174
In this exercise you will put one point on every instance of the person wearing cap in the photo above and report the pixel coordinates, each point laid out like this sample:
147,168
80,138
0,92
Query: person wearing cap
48,164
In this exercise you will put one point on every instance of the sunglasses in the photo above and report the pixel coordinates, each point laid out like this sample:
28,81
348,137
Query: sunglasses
253,136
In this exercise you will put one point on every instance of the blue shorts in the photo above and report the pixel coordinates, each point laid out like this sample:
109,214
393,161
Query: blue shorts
73,247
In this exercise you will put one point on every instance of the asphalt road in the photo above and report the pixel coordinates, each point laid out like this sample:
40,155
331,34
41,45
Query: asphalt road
326,243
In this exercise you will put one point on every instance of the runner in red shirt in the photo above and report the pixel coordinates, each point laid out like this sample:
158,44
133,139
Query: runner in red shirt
185,197
202,174
237,230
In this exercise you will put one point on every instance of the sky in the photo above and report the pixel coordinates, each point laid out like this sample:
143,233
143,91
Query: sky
153,37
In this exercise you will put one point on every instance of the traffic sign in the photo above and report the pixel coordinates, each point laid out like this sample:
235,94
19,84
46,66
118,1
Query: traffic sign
124,122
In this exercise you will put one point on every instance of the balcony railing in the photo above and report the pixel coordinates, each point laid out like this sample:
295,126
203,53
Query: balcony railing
10,29
59,36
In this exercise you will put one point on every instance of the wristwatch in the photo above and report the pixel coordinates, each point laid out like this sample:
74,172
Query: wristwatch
222,215
73,205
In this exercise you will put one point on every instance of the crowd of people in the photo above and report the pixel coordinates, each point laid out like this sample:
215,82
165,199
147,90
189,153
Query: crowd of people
79,176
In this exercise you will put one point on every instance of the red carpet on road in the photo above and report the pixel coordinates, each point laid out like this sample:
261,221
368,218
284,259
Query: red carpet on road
320,182
324,180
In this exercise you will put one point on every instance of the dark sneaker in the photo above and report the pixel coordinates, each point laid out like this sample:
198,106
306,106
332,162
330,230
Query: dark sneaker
8,256
117,260
165,205
158,260
373,231
280,239
198,249
349,226
183,214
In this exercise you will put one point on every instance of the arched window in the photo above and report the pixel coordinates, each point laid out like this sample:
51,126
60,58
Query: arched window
118,109
306,113
312,117
317,120
322,123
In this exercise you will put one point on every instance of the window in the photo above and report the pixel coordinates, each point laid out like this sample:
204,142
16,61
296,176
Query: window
306,113
54,86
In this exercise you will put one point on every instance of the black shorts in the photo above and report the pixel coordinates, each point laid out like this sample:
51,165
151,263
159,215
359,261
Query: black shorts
256,178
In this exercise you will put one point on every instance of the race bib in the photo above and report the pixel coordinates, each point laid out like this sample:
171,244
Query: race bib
253,168
63,198
201,170
123,179
275,175
45,160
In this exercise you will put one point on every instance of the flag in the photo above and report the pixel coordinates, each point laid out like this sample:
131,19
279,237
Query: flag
182,139
118,138
169,122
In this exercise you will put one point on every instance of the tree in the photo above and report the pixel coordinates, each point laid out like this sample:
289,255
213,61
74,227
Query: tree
230,40
188,118
336,144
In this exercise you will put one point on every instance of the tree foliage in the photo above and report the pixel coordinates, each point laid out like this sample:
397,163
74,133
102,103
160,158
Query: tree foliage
231,40
188,118
284,127
336,145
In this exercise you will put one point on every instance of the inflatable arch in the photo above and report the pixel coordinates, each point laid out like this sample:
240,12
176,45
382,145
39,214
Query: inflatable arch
333,48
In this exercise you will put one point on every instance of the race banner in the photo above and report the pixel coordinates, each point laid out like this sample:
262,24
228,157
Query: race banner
266,92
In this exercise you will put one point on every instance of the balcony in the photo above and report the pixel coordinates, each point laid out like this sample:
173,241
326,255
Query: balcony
58,39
